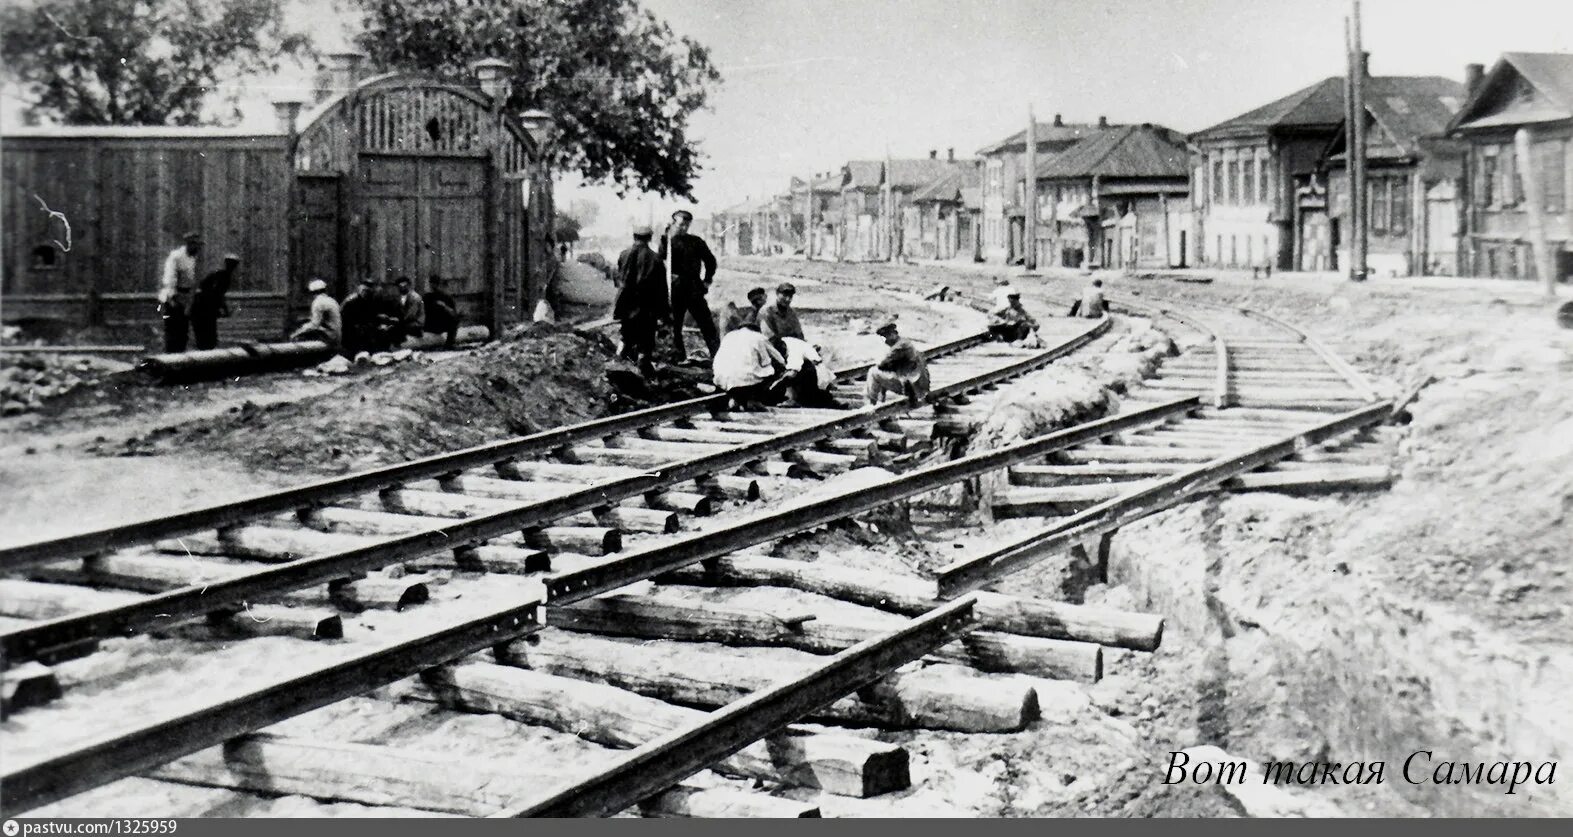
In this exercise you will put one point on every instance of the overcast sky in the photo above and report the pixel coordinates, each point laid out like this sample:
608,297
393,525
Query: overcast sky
810,84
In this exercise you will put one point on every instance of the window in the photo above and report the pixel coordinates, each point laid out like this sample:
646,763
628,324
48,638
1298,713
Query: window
1248,181
1509,191
1399,220
1269,193
44,257
1551,164
1486,177
1217,180
1379,205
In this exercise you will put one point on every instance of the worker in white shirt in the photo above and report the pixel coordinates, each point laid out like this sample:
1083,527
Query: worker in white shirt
745,366
180,267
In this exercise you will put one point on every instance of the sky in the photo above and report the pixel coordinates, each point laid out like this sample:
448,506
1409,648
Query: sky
810,84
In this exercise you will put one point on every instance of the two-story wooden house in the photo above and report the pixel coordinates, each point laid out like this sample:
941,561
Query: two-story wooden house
1116,199
1532,93
1004,178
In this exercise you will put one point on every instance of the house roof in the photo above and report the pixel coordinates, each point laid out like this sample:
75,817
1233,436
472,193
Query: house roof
1406,111
864,174
1128,151
946,187
915,174
1321,103
1045,133
1549,73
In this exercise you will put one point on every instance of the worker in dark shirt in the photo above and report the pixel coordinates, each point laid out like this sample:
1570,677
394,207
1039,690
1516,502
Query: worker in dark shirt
210,303
693,267
442,315
362,315
778,321
757,297
641,298
902,370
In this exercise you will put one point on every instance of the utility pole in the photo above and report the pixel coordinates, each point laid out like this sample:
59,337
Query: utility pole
889,209
1029,219
1355,157
1535,197
808,222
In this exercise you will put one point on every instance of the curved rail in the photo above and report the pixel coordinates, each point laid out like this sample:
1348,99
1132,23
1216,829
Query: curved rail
43,638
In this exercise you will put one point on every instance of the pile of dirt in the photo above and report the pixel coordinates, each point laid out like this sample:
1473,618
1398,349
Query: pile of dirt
549,379
28,381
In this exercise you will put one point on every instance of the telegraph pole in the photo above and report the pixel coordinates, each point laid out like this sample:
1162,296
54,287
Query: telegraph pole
1029,219
1355,158
808,222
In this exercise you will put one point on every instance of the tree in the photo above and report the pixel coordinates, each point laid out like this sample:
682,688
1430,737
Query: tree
139,62
565,228
620,84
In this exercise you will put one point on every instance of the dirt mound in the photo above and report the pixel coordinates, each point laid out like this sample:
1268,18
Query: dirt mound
548,379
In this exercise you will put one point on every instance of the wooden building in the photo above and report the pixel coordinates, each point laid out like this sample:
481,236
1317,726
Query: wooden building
395,175
1117,199
947,225
862,211
1412,172
1002,216
1533,93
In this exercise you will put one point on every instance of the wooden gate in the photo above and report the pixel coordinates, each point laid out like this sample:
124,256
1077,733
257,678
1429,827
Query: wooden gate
426,216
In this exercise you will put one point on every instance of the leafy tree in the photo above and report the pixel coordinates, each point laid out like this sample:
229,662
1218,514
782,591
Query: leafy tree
565,228
139,62
620,84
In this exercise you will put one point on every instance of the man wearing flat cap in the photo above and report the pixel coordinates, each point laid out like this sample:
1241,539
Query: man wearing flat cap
777,321
902,370
210,302
691,267
641,298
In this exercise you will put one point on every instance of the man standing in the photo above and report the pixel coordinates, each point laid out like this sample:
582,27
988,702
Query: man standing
175,282
442,315
211,302
902,371
641,299
325,323
778,321
180,267
693,267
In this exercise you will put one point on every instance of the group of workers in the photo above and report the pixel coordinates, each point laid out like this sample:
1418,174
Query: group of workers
189,310
373,320
369,319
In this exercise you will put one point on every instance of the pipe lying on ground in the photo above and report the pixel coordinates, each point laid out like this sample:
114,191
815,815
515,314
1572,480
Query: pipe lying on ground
255,358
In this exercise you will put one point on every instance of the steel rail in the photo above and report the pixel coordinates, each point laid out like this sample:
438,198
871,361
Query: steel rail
1355,378
662,763
1221,395
324,491
40,639
149,743
608,575
972,573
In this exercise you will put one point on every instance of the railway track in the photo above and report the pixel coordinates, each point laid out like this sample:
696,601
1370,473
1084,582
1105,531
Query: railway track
251,551
574,494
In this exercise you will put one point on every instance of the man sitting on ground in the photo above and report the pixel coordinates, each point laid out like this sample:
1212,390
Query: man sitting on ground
1091,305
902,371
411,313
366,325
325,323
806,379
746,365
442,315
1010,322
